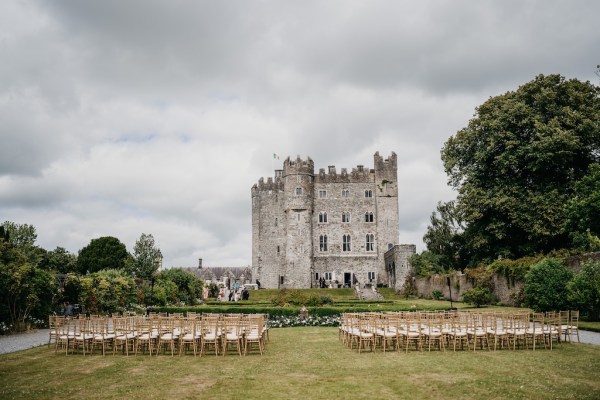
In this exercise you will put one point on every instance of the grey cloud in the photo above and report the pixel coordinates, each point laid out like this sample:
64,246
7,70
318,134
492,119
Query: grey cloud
149,116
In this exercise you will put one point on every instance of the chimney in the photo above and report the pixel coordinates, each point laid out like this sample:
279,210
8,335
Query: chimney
199,263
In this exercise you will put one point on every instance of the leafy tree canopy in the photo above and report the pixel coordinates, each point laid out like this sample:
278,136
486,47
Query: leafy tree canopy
103,253
60,261
26,291
20,235
444,235
516,164
146,257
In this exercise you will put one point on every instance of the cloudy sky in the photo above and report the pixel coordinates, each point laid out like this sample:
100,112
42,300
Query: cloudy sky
119,118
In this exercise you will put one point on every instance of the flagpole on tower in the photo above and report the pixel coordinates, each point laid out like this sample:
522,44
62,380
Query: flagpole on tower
275,156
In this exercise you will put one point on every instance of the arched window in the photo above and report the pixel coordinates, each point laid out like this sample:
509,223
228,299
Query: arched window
298,191
346,243
345,217
369,217
370,242
368,193
323,243
323,217
345,193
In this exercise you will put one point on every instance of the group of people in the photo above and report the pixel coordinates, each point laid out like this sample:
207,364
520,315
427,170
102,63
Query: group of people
233,294
323,284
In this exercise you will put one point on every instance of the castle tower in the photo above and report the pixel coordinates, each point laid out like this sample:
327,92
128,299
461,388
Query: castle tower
268,231
332,227
298,178
386,196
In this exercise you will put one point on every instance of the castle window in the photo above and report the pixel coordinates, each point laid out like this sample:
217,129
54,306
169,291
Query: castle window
328,276
345,217
323,243
370,242
345,193
278,250
281,279
298,191
322,194
368,193
323,217
346,243
275,221
369,217
371,276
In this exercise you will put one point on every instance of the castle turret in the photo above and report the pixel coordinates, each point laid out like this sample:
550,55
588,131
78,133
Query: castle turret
268,230
386,197
298,176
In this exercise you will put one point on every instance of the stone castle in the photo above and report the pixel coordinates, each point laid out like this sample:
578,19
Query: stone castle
338,228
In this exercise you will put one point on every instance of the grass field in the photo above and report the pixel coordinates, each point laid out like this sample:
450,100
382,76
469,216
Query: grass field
307,363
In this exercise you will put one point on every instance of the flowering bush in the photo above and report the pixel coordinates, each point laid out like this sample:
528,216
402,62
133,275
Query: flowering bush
292,321
30,322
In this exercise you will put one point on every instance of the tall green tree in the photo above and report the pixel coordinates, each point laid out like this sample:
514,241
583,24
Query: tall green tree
20,235
23,237
444,236
146,257
516,163
102,253
26,291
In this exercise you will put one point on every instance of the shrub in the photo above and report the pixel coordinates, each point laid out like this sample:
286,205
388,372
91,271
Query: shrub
584,290
296,297
107,291
314,301
436,294
477,296
546,286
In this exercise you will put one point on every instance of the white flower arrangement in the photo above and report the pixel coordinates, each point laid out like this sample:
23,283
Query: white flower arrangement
288,322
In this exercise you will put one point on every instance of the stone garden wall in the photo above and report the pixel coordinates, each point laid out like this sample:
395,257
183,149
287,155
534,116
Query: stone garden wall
504,290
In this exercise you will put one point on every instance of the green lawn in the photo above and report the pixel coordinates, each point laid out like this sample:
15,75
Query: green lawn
307,363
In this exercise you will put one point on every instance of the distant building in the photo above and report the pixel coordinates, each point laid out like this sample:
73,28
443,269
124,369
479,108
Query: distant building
338,227
225,276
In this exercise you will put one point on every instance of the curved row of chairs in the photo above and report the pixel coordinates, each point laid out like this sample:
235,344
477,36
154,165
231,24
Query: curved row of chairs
160,334
442,330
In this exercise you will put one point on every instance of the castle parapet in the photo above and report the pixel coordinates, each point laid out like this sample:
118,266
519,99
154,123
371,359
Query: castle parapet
270,185
357,175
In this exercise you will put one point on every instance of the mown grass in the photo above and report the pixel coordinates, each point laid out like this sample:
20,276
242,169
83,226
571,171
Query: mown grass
307,363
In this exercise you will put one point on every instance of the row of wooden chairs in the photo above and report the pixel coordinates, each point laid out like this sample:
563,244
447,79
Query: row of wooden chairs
158,334
441,330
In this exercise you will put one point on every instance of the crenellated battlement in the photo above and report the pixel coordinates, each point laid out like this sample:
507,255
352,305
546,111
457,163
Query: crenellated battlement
298,166
270,185
357,175
390,163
